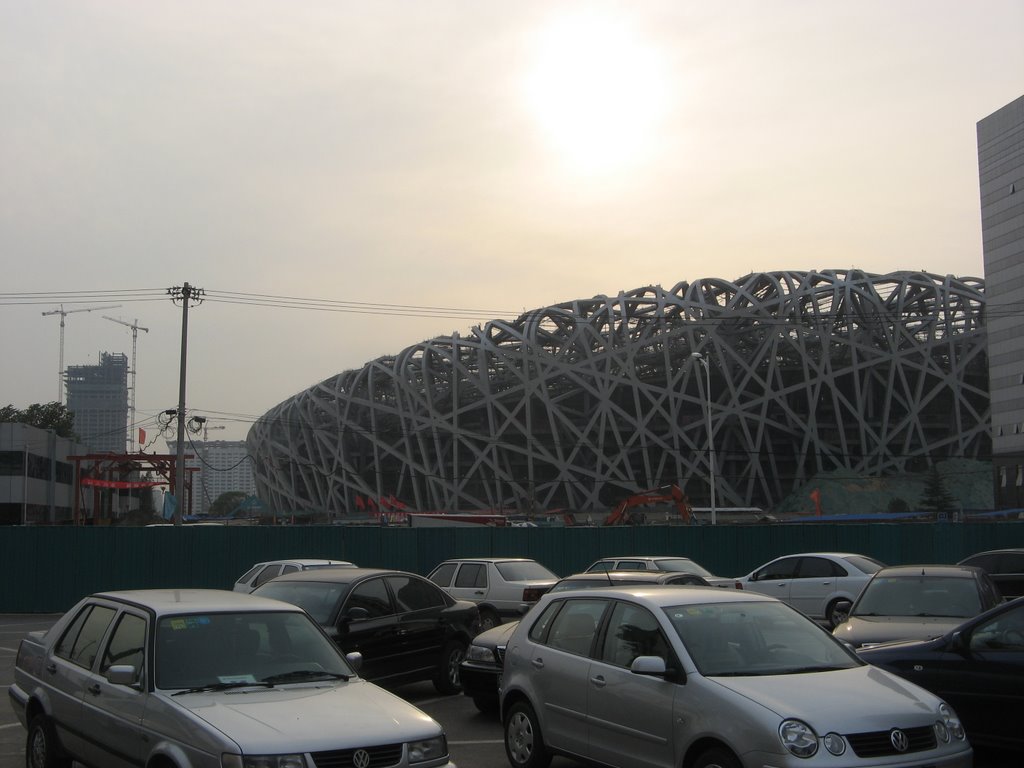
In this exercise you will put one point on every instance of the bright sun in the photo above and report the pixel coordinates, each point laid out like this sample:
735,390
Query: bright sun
597,91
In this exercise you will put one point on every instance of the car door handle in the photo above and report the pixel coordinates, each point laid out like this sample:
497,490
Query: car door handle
480,592
599,681
538,663
94,689
51,668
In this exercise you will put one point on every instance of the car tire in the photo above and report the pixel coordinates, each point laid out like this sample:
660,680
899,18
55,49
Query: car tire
446,680
524,744
830,614
487,704
489,619
717,757
42,748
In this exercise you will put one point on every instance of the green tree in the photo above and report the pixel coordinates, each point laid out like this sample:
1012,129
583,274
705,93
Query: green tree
55,416
226,503
936,496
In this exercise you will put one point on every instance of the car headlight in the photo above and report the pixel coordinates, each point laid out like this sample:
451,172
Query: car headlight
948,725
834,743
428,749
262,761
799,738
481,653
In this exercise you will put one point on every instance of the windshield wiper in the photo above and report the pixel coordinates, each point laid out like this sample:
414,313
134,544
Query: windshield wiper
820,668
224,686
305,674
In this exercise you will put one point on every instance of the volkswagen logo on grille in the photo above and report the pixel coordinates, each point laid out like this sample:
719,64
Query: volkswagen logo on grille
361,758
899,740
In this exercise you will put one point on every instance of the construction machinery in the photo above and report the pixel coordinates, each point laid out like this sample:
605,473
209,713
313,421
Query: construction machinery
64,313
131,405
625,512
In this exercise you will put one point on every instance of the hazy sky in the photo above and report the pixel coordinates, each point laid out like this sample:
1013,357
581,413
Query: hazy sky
494,156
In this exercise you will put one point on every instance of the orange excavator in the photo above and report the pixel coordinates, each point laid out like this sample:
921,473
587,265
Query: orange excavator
622,515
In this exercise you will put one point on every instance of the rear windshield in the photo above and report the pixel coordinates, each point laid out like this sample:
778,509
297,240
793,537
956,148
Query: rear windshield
866,564
524,570
683,565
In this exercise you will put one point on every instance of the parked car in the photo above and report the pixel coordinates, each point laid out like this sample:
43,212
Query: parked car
1005,566
978,668
264,572
916,602
404,628
669,676
661,563
504,588
206,679
480,671
814,583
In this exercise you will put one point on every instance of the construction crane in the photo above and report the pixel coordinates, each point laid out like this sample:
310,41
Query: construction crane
64,313
131,405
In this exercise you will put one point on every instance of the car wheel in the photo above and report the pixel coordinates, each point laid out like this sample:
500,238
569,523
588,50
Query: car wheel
486,704
42,750
717,757
488,619
447,678
834,617
524,744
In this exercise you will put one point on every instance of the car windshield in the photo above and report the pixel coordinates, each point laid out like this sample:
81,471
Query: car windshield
919,595
756,638
683,564
523,570
219,650
317,598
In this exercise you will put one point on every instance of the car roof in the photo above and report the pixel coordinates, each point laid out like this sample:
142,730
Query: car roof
663,595
644,557
926,569
626,576
490,560
163,602
1008,551
338,575
304,561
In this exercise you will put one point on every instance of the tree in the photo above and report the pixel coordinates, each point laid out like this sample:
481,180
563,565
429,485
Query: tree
55,416
935,495
226,503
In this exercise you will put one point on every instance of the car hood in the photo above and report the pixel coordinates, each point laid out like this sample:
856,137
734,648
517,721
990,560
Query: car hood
862,630
822,699
309,717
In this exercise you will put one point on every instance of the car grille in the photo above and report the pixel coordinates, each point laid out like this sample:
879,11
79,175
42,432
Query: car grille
879,743
388,754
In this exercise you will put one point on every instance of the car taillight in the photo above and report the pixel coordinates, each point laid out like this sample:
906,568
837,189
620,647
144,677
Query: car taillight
739,585
532,594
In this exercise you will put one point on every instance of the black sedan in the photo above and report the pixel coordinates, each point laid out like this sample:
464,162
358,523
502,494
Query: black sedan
978,668
481,669
403,626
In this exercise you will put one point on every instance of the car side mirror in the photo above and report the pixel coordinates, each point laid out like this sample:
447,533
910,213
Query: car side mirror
355,660
654,666
121,674
841,612
959,644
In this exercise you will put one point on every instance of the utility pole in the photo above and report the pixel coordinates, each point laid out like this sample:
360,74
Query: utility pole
64,313
131,405
185,294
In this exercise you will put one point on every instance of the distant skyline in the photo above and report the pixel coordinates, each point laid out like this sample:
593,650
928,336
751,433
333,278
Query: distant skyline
482,158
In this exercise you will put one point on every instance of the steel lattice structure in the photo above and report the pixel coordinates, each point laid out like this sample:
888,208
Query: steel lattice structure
576,405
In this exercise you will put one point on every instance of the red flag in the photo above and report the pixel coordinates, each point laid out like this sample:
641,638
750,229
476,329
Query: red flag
142,436
371,503
360,504
816,498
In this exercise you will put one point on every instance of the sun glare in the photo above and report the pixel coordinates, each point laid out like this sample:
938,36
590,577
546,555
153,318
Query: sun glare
596,91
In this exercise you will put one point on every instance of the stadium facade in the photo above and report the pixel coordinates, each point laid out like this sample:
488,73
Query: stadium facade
577,405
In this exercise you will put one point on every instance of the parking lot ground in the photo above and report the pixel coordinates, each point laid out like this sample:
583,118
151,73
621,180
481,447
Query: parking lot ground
474,739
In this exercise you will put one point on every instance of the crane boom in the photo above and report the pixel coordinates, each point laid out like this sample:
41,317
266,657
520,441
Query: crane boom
135,338
64,313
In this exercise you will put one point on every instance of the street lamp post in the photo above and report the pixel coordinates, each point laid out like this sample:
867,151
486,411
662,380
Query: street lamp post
711,443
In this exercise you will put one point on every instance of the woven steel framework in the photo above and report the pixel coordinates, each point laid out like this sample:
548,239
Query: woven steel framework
576,405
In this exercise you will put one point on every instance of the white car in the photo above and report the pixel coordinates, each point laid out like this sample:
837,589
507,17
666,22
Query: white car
504,588
667,676
660,563
206,678
814,583
261,573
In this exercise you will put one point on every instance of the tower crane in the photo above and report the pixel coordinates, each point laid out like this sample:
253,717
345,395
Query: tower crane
64,313
131,405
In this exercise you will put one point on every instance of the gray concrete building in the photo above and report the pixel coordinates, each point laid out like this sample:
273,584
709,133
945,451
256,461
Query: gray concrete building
223,466
1001,172
36,478
98,396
